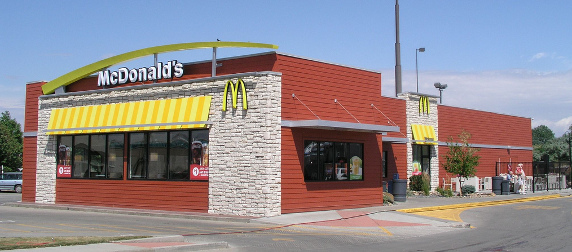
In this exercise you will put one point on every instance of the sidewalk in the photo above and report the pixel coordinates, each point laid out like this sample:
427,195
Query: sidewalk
386,216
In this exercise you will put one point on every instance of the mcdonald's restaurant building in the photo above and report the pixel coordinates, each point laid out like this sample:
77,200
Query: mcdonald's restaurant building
268,134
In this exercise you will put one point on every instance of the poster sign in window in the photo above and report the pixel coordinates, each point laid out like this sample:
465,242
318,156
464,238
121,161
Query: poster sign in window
416,168
200,160
64,162
356,169
199,172
64,171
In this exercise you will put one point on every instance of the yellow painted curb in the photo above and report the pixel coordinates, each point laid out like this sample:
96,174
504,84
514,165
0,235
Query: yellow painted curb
478,204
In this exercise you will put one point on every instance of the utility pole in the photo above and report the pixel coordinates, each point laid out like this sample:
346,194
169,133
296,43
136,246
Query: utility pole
397,52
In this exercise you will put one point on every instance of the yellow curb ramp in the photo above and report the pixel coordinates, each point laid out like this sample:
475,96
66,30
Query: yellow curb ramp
478,204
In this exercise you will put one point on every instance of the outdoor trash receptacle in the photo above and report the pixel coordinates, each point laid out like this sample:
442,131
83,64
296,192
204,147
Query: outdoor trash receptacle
497,181
399,189
505,187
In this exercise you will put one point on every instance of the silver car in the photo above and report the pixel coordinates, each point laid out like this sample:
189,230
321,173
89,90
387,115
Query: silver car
11,181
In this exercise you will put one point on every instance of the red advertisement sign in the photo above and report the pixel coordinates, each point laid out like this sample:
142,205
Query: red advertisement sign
199,172
64,171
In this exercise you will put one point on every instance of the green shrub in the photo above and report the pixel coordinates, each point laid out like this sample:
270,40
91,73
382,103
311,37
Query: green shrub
388,198
445,192
468,189
420,183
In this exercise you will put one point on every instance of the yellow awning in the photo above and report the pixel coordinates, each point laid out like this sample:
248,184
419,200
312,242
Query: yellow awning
424,134
181,113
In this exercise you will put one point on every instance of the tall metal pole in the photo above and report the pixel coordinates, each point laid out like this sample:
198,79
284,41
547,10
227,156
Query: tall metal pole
417,69
422,49
397,52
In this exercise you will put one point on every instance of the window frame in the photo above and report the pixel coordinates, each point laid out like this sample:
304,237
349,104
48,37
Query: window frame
202,135
330,166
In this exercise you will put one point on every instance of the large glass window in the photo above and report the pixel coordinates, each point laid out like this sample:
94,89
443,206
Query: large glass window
97,156
160,155
115,150
81,156
384,162
157,155
137,155
179,155
333,161
90,156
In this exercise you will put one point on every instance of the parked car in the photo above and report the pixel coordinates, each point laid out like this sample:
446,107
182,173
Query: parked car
11,181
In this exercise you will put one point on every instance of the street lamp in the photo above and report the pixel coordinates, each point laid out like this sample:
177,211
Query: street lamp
440,86
422,49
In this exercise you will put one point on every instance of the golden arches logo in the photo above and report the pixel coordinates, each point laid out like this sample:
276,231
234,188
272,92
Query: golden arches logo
423,105
234,92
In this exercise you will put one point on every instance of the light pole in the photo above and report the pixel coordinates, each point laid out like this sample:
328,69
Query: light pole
422,49
440,86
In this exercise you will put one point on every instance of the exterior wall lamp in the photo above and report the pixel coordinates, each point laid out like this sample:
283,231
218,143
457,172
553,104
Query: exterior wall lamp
441,87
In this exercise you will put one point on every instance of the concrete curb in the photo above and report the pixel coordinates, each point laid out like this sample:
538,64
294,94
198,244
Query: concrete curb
138,212
478,204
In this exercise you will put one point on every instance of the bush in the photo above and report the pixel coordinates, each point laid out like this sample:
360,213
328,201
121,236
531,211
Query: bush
468,189
445,192
420,183
388,198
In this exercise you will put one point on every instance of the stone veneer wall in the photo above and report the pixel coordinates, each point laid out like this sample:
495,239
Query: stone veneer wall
414,117
244,145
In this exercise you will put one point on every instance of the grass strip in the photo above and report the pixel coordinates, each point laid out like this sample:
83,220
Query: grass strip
10,243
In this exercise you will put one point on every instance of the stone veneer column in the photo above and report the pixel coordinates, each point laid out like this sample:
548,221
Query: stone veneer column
244,145
431,119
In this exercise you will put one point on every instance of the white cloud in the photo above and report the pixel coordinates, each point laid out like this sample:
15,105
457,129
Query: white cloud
537,56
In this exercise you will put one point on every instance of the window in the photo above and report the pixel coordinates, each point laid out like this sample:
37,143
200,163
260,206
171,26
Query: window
137,155
80,156
97,156
384,162
115,147
158,155
179,155
333,161
90,156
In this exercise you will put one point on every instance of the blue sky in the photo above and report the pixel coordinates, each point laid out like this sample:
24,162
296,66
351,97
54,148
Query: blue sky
512,57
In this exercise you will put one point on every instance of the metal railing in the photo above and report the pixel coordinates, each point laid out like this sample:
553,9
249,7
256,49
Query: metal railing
545,175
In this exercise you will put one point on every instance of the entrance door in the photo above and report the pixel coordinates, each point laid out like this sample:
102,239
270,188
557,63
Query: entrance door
422,157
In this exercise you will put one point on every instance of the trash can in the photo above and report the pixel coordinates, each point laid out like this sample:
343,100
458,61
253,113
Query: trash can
497,181
390,187
505,187
399,189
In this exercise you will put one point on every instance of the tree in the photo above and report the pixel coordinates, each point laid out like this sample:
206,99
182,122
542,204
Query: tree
542,135
544,143
461,159
10,143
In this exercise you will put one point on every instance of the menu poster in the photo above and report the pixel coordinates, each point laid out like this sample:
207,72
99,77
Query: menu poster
416,168
356,168
64,171
199,172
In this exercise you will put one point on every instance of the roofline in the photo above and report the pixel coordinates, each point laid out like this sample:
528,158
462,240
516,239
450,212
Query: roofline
326,62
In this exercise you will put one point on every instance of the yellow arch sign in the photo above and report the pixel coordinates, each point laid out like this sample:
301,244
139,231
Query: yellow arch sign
234,93
85,71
